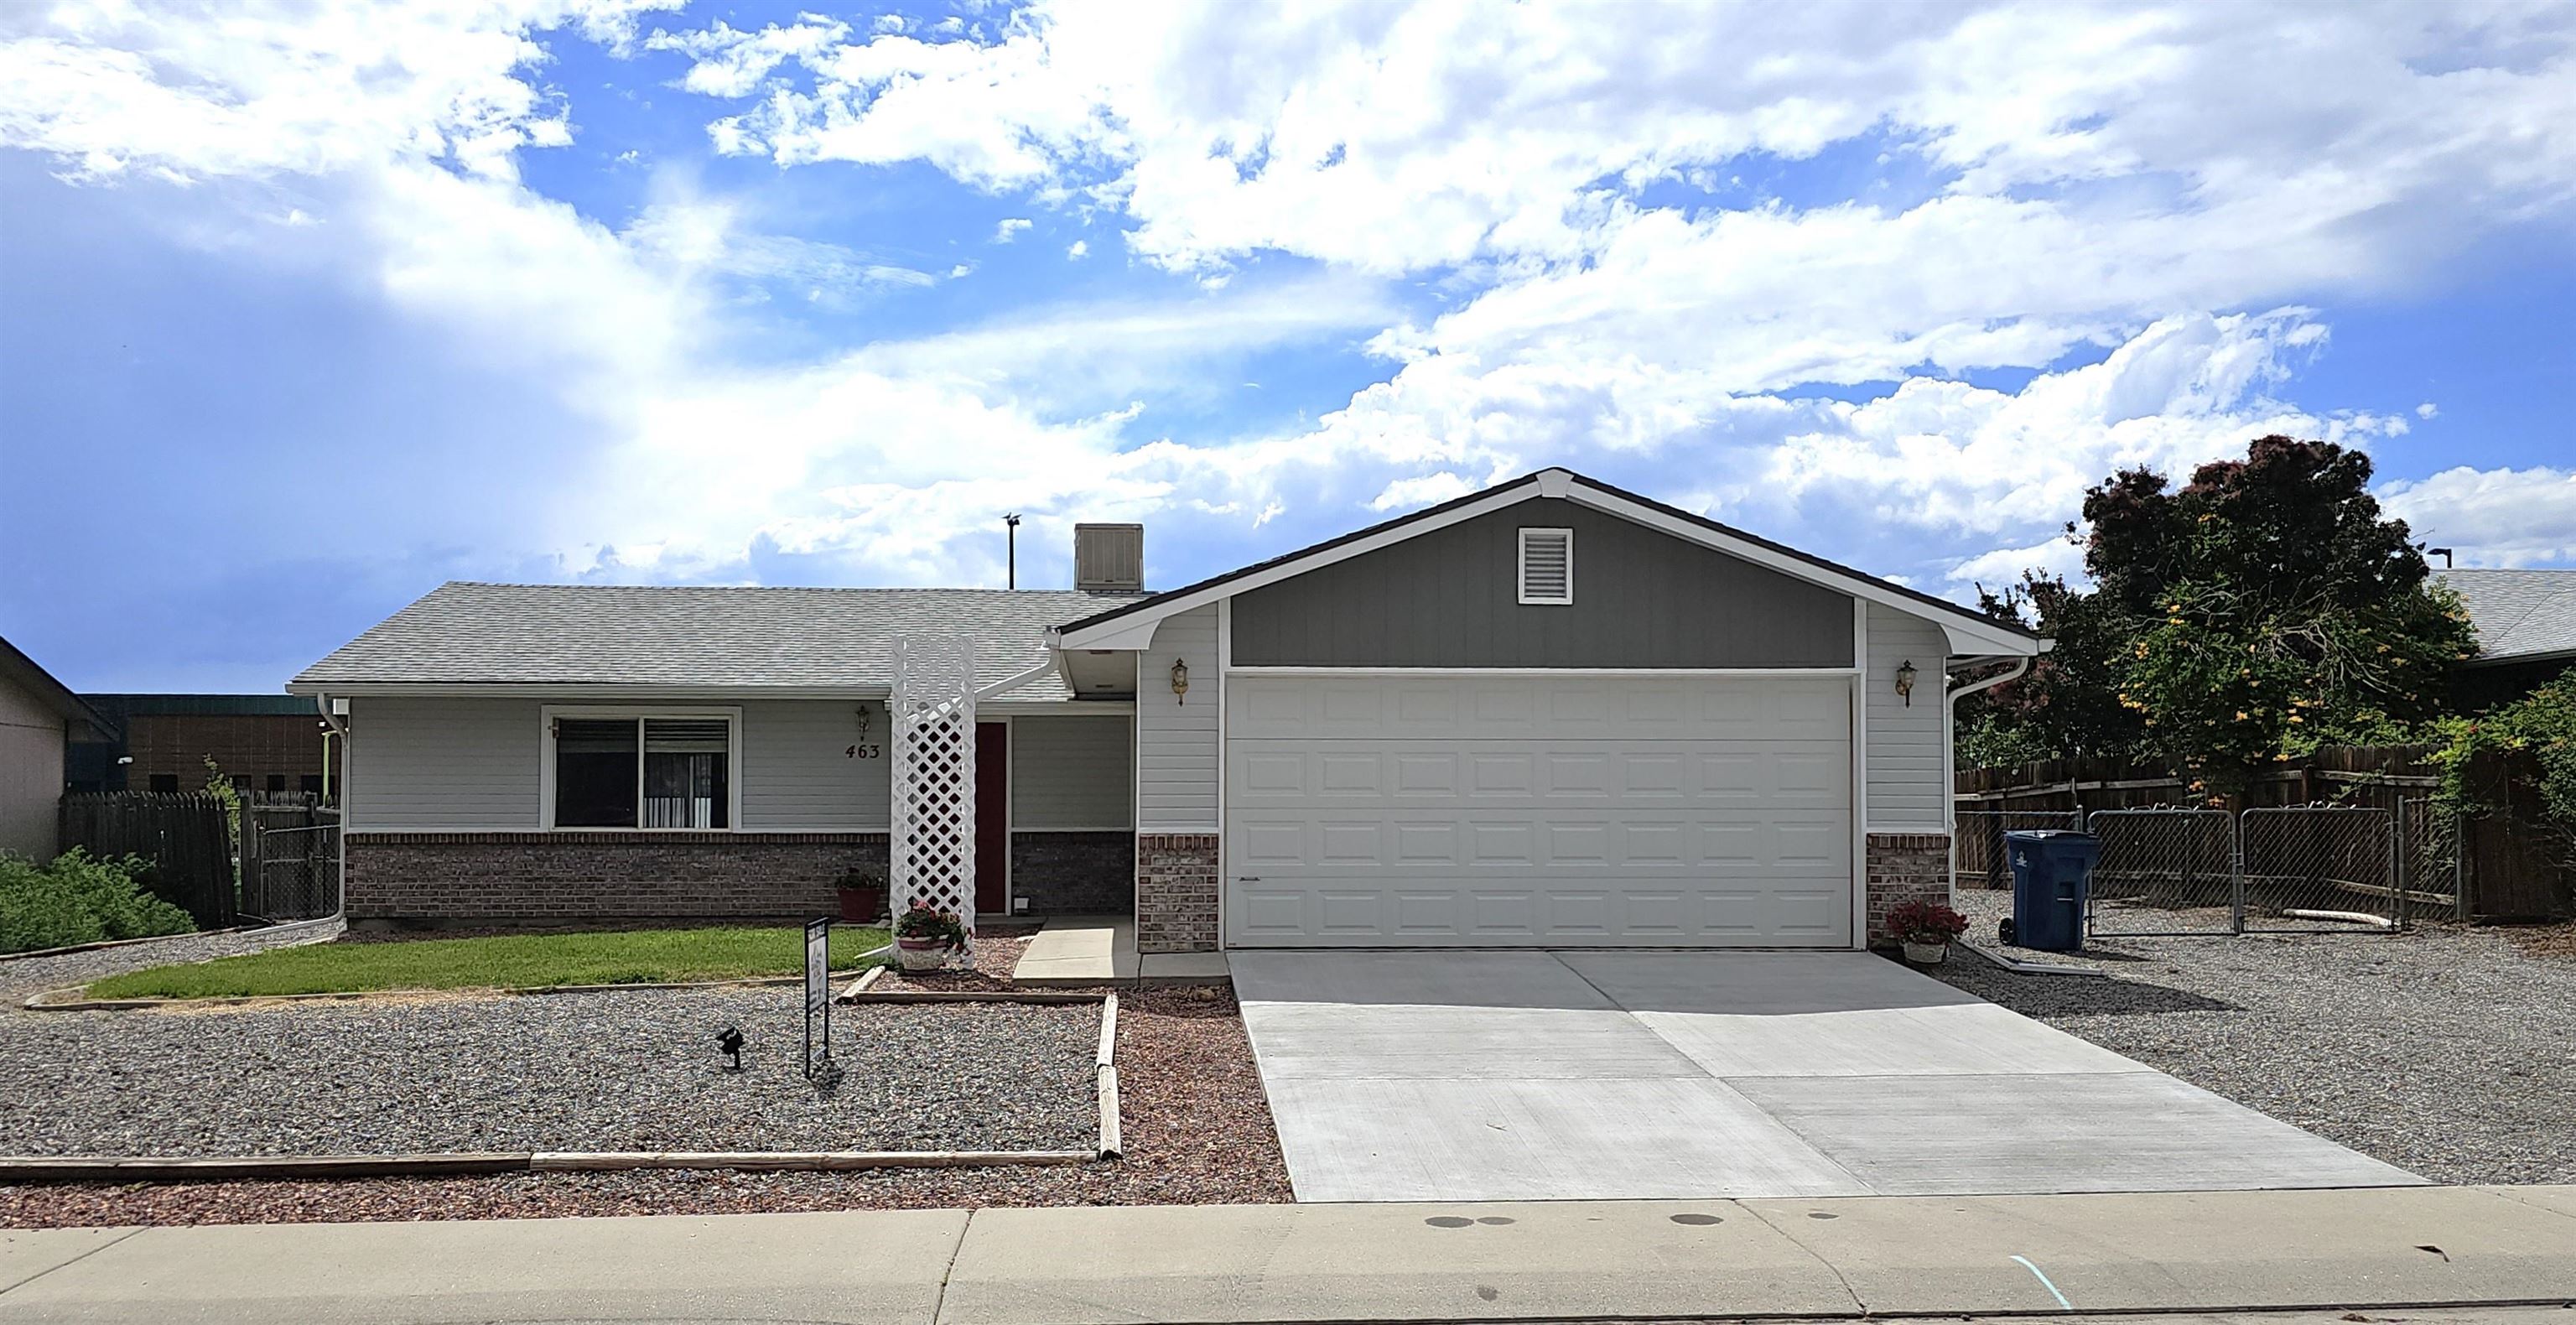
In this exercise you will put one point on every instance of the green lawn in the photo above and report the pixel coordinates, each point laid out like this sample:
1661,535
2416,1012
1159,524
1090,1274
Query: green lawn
642,956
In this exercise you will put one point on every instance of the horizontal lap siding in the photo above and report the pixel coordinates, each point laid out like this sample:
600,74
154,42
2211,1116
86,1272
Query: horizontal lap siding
443,763
1070,772
1906,793
469,764
1176,739
800,773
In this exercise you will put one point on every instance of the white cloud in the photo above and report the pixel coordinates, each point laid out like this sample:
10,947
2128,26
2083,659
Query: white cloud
2101,199
2428,410
1078,250
2499,517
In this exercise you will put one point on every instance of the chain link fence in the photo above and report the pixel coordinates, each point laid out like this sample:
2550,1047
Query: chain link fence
1977,842
2312,868
2164,872
292,870
2429,851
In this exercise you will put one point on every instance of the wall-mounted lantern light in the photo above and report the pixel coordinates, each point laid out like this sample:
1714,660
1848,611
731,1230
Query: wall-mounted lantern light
1905,682
1180,681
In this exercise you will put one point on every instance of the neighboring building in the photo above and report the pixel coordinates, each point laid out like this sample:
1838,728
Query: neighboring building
2526,623
264,743
39,717
1552,713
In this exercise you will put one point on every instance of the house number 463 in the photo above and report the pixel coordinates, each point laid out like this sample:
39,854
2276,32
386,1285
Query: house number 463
864,751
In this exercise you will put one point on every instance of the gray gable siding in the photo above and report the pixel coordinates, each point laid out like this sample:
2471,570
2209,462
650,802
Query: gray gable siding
1451,598
1177,756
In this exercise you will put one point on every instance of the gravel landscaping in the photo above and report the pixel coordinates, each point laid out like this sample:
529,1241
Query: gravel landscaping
23,977
596,1071
1197,1130
2448,1051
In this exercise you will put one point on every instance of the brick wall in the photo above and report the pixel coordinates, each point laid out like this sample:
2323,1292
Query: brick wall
1068,874
1902,868
1176,892
568,878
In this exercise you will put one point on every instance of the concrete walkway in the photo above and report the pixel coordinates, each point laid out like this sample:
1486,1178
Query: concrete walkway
1827,1259
1082,951
1411,1076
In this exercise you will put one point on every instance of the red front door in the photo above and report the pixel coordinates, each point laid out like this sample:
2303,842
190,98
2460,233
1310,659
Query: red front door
992,818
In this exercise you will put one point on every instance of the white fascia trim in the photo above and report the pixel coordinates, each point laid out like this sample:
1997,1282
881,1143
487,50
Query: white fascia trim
1116,634
1056,708
1966,635
1748,673
594,694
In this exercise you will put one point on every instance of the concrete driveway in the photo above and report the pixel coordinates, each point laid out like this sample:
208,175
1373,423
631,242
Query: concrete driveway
1491,1076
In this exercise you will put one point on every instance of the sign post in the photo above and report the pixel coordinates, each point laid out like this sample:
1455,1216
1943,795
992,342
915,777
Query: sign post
818,991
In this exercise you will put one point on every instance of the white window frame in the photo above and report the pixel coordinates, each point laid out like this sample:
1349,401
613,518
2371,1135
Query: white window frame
548,713
1521,567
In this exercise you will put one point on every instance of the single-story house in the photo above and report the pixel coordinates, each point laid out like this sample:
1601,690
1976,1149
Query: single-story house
39,717
2526,624
1549,713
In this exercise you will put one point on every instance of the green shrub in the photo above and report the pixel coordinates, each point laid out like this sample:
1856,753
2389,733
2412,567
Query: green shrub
2540,726
78,899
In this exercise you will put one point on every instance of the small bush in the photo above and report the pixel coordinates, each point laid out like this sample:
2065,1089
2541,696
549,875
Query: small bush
79,899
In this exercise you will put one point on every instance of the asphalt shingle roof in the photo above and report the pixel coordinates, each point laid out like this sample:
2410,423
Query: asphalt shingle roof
729,638
2518,613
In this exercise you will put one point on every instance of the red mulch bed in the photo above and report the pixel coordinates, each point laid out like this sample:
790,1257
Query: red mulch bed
1197,1131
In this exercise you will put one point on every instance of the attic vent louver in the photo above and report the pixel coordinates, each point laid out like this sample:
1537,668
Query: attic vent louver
1547,567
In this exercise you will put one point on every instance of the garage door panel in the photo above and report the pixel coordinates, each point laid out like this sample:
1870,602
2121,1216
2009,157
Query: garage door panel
1538,811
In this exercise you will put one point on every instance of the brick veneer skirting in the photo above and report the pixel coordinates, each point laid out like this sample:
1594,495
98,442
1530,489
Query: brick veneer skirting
1902,868
1176,892
571,878
1074,874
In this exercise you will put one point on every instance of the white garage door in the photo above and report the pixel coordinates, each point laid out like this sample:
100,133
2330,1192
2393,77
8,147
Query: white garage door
1377,811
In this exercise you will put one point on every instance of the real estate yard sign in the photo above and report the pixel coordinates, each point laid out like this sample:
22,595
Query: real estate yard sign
818,991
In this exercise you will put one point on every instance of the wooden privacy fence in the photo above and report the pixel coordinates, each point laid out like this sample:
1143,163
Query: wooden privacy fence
187,837
2506,865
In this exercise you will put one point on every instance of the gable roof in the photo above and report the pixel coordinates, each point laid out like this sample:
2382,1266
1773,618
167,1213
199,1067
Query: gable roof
1126,625
21,669
2521,615
482,637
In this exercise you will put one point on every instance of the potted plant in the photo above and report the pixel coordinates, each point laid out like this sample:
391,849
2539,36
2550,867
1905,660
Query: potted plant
1926,928
863,895
925,937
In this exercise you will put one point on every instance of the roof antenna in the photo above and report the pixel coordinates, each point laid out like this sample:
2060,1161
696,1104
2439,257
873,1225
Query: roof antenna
1011,556
2442,552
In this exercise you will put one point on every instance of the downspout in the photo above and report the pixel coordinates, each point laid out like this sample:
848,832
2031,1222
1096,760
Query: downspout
335,725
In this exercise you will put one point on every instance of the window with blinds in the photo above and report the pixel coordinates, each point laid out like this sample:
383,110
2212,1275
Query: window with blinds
1547,567
643,772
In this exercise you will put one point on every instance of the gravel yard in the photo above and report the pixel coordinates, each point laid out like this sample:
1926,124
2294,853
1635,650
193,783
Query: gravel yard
23,977
601,1071
2448,1051
1197,1131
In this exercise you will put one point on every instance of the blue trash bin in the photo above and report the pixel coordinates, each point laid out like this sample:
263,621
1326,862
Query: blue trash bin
2050,869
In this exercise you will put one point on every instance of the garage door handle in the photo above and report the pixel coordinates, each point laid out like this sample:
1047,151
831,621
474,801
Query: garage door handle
1247,878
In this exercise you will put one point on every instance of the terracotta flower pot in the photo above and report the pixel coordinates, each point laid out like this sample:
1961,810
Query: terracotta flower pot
1926,954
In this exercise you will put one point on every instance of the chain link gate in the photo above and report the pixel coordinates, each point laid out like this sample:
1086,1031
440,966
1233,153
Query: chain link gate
298,871
2164,872
1977,842
2428,861
2313,869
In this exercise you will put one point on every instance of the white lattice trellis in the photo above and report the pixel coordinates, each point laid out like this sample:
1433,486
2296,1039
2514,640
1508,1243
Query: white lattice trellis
932,711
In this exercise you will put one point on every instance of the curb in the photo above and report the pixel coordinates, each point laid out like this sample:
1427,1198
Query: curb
240,1168
103,944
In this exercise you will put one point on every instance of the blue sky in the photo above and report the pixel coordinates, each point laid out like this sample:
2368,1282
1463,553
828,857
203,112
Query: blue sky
302,314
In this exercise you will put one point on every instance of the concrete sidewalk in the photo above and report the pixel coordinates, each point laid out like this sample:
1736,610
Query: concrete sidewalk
1836,1258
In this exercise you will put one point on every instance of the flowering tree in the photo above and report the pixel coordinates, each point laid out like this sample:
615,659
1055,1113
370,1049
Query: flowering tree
2262,610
